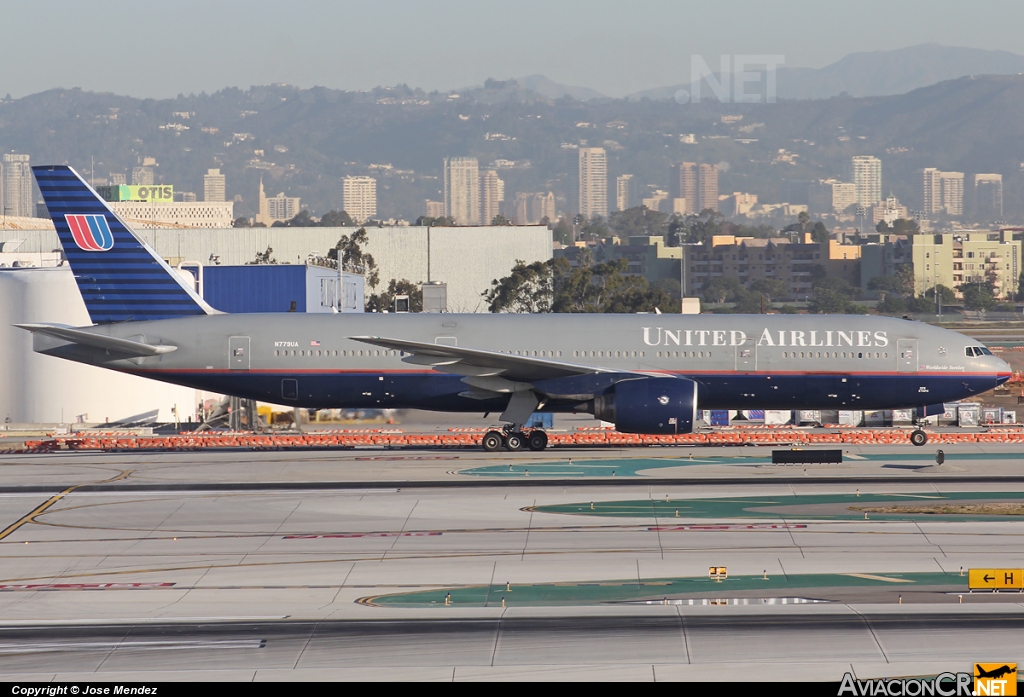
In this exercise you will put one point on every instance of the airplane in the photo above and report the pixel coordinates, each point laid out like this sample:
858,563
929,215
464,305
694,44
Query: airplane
995,672
646,373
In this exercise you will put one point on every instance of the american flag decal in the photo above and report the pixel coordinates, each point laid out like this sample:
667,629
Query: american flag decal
314,343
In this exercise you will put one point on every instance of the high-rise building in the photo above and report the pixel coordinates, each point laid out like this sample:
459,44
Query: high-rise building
533,208
17,186
941,192
707,188
929,188
462,190
828,196
865,171
625,192
276,208
953,193
434,209
214,186
118,179
988,196
143,176
492,193
359,196
593,182
684,184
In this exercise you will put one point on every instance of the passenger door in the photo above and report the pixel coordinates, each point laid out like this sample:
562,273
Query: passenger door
906,355
238,352
746,359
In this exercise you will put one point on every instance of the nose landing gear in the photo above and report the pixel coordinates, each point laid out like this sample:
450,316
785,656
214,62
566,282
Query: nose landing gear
918,437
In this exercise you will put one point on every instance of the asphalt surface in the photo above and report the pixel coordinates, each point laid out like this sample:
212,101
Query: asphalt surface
242,566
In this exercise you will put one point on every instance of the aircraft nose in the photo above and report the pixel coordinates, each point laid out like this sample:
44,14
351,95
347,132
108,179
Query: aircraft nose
1002,369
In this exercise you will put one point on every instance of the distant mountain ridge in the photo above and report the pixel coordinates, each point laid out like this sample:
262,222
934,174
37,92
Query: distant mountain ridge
875,73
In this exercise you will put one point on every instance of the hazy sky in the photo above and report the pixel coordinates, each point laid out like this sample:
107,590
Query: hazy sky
158,49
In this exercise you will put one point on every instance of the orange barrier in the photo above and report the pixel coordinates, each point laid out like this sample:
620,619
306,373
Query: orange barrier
463,438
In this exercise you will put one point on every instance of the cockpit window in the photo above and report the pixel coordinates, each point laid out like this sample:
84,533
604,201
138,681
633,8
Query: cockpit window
969,351
985,351
978,351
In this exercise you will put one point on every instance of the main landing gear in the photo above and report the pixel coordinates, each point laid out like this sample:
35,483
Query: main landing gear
918,437
512,438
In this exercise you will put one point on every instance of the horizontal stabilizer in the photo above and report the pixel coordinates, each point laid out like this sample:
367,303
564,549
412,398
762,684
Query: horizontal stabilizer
126,347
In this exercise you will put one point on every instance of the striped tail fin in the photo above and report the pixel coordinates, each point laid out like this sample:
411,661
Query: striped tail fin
120,277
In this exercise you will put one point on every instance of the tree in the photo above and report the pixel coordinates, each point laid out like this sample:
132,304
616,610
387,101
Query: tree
703,226
892,304
770,288
351,257
887,285
240,222
336,219
500,220
820,234
720,288
804,220
301,219
637,221
977,296
827,301
562,232
595,228
834,295
557,286
747,303
266,257
443,221
527,289
385,300
900,226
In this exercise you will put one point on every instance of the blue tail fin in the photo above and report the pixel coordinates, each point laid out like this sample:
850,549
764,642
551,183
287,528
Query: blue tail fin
120,277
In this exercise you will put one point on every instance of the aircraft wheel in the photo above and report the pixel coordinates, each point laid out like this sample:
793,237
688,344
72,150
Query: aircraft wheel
538,440
918,437
493,441
514,441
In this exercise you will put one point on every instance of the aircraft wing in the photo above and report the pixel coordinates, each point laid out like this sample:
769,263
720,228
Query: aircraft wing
125,347
478,363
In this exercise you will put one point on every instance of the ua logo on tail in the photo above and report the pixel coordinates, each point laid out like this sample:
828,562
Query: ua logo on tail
90,232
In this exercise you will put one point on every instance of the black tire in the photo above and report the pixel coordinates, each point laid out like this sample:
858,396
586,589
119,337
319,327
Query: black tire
538,440
514,441
918,437
493,441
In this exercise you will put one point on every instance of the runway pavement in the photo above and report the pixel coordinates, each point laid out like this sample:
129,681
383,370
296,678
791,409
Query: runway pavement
281,574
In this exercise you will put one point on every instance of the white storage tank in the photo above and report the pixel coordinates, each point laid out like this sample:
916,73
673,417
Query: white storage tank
44,389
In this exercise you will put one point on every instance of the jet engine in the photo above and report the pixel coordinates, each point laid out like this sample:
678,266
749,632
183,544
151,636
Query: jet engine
662,406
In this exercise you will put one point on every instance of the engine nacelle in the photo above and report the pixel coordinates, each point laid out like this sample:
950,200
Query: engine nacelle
662,406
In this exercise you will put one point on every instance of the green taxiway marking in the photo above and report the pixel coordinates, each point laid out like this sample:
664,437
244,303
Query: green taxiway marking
595,593
631,467
816,507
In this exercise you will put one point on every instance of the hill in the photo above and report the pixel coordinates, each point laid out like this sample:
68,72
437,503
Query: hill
303,141
876,73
